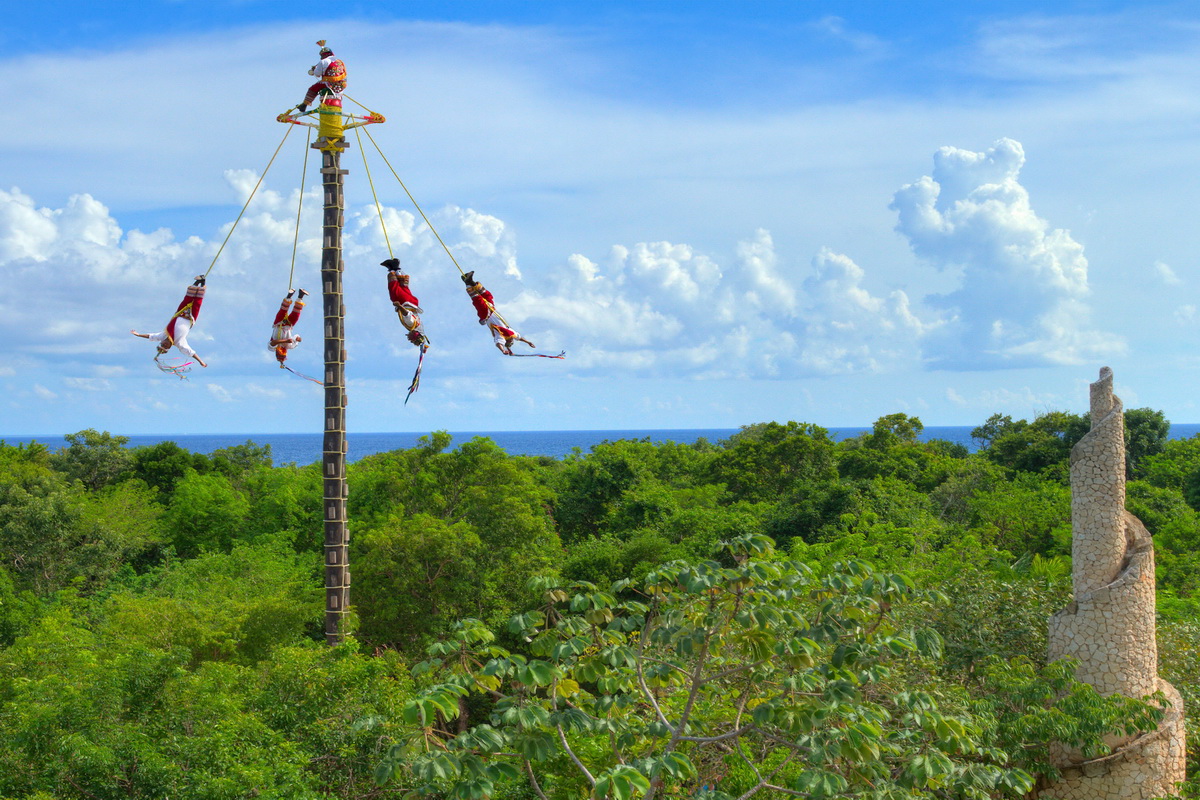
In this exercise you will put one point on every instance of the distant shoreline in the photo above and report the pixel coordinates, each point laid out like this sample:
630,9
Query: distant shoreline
305,448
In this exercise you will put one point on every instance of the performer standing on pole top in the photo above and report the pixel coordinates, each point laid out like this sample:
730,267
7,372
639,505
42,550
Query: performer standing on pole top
330,73
176,331
485,306
283,335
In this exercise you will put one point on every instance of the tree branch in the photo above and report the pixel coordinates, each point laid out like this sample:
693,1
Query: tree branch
562,737
721,738
533,781
642,678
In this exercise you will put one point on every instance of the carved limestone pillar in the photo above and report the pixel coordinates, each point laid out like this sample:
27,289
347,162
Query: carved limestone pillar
1110,626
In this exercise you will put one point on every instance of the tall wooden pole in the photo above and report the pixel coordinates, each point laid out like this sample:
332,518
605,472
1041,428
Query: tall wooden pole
337,534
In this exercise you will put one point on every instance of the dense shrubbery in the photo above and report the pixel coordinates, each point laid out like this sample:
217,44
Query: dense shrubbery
878,618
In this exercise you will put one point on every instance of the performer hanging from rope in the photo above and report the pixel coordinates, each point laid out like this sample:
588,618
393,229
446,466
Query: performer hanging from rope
330,73
176,331
283,335
405,302
485,306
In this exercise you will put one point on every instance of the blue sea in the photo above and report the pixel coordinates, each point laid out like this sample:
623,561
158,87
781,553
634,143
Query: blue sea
305,448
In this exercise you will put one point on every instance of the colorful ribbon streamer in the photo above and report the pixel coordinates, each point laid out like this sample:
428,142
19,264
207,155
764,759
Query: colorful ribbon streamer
416,381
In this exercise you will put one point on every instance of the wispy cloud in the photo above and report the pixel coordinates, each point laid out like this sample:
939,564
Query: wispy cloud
1166,274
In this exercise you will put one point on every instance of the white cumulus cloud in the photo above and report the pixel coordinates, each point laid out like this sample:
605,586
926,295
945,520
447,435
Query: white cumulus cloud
665,309
850,330
653,308
1022,298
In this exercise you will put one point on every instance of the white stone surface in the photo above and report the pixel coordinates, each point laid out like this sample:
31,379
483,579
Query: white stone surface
1110,626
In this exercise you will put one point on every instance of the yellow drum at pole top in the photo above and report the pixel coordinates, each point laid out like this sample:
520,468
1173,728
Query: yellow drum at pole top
330,112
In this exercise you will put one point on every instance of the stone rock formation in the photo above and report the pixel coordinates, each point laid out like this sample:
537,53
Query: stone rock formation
1109,627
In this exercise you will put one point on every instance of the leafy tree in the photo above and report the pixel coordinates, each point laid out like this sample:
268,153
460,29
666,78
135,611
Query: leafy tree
163,465
234,462
952,497
1029,514
341,707
1046,442
590,487
39,519
235,606
205,513
813,512
1037,446
286,501
646,504
990,615
53,533
23,453
17,609
924,466
753,673
1173,465
595,560
704,520
92,714
495,496
96,459
1146,432
763,461
996,426
894,429
414,577
1179,664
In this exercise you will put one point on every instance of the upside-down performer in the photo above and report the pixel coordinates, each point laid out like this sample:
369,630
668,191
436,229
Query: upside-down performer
176,331
283,334
330,73
405,302
485,307
407,308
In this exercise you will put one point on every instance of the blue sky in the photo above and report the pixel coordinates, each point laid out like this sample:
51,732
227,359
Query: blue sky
724,213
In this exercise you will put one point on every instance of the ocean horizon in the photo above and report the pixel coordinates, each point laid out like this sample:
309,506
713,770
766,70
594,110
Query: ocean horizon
305,448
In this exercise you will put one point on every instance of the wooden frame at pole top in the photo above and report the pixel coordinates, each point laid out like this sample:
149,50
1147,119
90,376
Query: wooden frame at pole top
333,465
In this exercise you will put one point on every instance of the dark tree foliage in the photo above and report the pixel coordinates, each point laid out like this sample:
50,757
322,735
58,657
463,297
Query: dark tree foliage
236,461
1039,446
993,428
96,459
1045,444
441,534
1146,432
1173,465
810,512
894,429
623,485
163,465
160,616
762,462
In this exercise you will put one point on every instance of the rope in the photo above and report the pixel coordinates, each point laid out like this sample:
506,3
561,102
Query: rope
184,309
419,210
413,199
371,181
221,249
299,207
360,105
496,311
